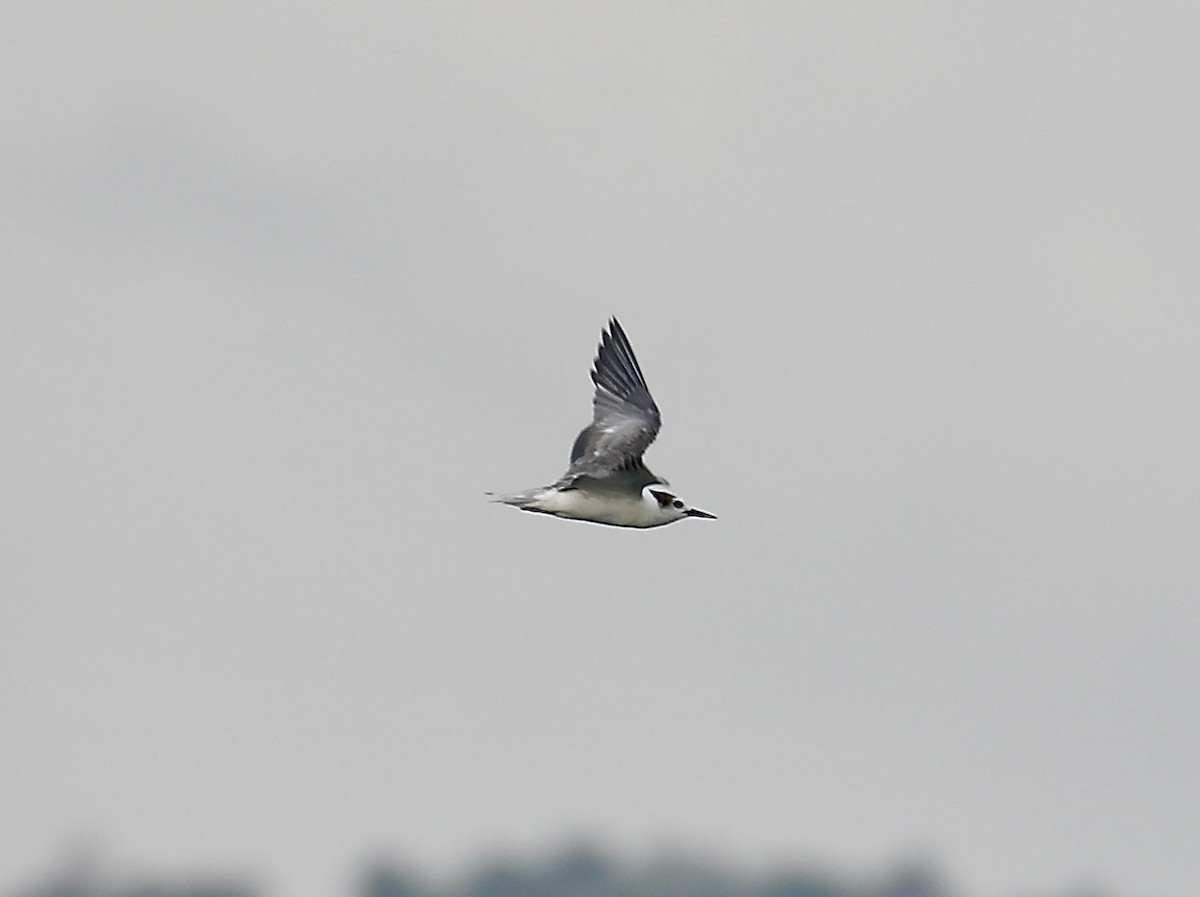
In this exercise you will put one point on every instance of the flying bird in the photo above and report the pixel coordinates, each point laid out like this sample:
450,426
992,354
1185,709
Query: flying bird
607,481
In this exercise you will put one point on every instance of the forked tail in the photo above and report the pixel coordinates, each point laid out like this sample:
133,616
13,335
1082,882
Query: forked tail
516,499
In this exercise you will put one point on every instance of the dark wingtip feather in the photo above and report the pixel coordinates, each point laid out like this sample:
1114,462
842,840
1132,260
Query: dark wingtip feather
615,364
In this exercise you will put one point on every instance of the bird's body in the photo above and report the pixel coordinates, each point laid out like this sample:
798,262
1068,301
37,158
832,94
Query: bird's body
611,500
607,481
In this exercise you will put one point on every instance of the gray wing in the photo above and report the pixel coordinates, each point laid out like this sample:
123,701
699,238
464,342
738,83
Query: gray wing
625,419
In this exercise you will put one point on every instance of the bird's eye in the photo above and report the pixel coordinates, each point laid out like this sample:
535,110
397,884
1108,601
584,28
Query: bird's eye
677,503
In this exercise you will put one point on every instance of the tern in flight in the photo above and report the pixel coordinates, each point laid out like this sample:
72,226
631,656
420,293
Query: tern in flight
607,481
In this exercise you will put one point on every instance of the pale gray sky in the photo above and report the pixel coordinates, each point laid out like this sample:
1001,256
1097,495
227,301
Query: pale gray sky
288,287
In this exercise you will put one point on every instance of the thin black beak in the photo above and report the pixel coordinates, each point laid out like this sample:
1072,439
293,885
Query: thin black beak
696,512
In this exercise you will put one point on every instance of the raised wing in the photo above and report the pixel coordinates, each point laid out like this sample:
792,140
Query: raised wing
625,419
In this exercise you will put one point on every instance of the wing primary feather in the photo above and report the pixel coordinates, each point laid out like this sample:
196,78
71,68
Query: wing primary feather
627,349
612,367
624,352
616,367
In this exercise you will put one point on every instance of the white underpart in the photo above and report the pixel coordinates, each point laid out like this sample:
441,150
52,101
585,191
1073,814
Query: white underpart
604,507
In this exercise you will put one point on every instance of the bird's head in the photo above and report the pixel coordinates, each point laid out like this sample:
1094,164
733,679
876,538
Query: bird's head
669,506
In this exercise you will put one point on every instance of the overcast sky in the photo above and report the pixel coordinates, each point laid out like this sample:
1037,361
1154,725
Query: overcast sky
288,287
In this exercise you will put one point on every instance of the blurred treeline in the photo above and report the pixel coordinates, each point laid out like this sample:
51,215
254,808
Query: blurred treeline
578,871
